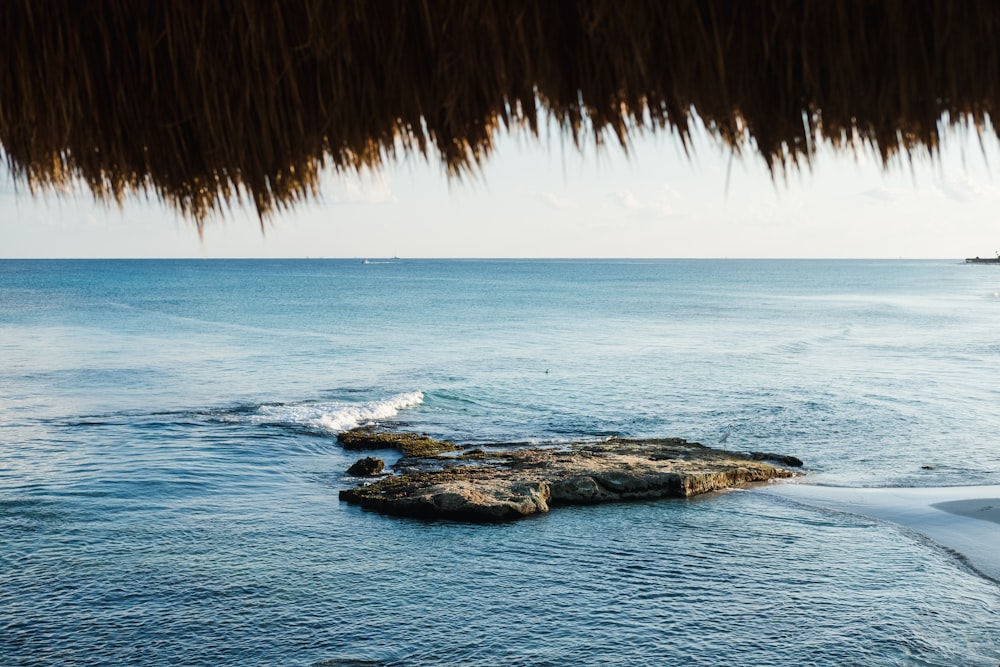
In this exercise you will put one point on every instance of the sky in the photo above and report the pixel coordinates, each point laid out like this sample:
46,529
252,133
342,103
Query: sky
547,199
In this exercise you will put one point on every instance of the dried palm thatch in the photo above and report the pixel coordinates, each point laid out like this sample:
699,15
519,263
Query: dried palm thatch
207,103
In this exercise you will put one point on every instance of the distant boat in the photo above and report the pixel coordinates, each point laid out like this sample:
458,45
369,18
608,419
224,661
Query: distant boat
365,261
983,260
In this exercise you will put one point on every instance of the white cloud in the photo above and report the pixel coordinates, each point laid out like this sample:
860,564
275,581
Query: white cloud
963,189
656,207
364,188
627,200
669,193
885,194
93,220
555,201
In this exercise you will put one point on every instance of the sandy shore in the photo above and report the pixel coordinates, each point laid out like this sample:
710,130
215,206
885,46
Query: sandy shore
965,519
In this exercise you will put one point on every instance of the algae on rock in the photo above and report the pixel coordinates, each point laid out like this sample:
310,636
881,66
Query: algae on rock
408,444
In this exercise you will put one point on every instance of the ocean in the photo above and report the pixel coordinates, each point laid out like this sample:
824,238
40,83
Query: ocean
169,468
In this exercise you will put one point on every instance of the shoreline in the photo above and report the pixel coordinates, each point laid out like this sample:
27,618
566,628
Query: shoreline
962,519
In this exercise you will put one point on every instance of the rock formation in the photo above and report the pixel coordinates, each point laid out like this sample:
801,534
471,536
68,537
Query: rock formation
408,444
481,485
367,467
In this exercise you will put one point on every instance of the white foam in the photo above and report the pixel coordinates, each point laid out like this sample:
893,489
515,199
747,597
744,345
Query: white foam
336,416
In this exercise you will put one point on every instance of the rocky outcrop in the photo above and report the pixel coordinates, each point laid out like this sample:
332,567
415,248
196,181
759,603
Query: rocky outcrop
502,485
408,444
367,467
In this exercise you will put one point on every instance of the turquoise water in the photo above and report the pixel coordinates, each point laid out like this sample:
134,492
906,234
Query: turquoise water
169,467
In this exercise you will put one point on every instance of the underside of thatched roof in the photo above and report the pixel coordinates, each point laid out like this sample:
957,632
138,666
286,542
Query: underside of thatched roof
207,103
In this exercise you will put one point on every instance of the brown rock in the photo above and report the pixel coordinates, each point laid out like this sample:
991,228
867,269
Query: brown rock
520,482
366,467
409,444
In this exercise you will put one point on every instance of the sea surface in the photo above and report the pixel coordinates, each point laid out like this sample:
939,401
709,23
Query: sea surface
169,467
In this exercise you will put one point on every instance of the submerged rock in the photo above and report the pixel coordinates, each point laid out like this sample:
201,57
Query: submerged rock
515,483
367,467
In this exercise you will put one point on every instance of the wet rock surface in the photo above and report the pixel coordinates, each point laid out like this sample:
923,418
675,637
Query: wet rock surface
493,484
367,467
408,444
783,459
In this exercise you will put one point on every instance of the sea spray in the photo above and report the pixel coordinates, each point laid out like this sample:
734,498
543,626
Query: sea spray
336,416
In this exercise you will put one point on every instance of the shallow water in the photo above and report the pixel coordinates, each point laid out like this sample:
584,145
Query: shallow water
169,470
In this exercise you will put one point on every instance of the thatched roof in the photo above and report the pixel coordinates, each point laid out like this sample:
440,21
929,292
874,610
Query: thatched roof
201,103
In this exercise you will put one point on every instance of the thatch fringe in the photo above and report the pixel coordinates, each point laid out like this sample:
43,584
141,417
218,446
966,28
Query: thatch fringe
207,103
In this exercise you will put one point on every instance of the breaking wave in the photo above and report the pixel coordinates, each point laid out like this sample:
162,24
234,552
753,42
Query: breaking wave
337,416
